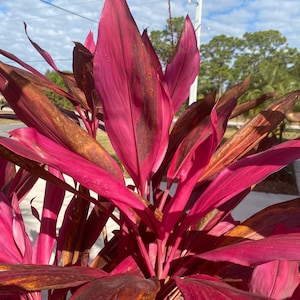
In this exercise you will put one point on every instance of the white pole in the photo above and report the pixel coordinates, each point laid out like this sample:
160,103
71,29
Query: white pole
197,25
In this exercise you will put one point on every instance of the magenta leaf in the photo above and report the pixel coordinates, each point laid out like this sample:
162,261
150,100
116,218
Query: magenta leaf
175,207
89,42
120,286
249,253
186,122
37,147
183,69
135,104
21,238
195,150
152,53
46,238
241,175
34,108
207,287
43,52
15,244
20,278
276,279
193,156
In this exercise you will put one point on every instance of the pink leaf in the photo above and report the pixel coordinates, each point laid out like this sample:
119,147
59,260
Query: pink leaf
184,68
275,279
21,238
43,52
89,42
37,147
46,238
9,253
192,157
136,106
250,253
207,287
127,265
17,278
242,175
34,108
152,53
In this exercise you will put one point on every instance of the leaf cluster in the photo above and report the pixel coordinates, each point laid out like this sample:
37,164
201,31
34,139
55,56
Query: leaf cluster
173,235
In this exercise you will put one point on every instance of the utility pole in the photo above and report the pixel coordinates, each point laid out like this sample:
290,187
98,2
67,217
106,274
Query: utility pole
197,26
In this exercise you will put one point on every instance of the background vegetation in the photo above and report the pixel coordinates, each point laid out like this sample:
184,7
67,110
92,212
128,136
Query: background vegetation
225,60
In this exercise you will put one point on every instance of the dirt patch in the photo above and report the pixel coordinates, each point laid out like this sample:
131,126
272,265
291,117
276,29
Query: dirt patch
282,182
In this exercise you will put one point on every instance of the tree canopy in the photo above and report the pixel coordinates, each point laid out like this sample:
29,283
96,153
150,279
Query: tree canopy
165,40
264,55
55,98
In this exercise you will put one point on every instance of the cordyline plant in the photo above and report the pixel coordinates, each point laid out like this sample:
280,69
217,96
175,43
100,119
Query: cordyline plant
174,235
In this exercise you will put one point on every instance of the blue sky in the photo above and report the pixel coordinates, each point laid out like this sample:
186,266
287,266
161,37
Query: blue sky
55,30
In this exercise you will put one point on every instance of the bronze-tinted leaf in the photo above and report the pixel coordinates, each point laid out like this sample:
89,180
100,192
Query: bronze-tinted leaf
34,108
235,92
186,123
34,168
251,134
137,108
75,230
18,278
121,286
84,76
245,107
263,223
36,77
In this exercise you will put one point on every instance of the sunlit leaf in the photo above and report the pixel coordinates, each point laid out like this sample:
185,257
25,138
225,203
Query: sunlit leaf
263,223
136,106
206,287
34,146
249,253
242,175
13,244
34,108
18,278
275,279
121,286
184,67
251,134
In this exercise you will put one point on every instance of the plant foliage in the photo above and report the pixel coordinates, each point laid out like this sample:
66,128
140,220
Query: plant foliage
173,235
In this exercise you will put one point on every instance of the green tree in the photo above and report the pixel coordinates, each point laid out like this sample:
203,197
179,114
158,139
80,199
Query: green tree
216,59
272,64
55,98
265,55
164,40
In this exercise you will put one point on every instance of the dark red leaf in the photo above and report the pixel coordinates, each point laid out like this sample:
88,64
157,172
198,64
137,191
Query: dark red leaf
121,286
137,110
207,287
18,278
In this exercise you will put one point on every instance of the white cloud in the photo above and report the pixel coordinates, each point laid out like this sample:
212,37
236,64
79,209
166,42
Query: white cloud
55,30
